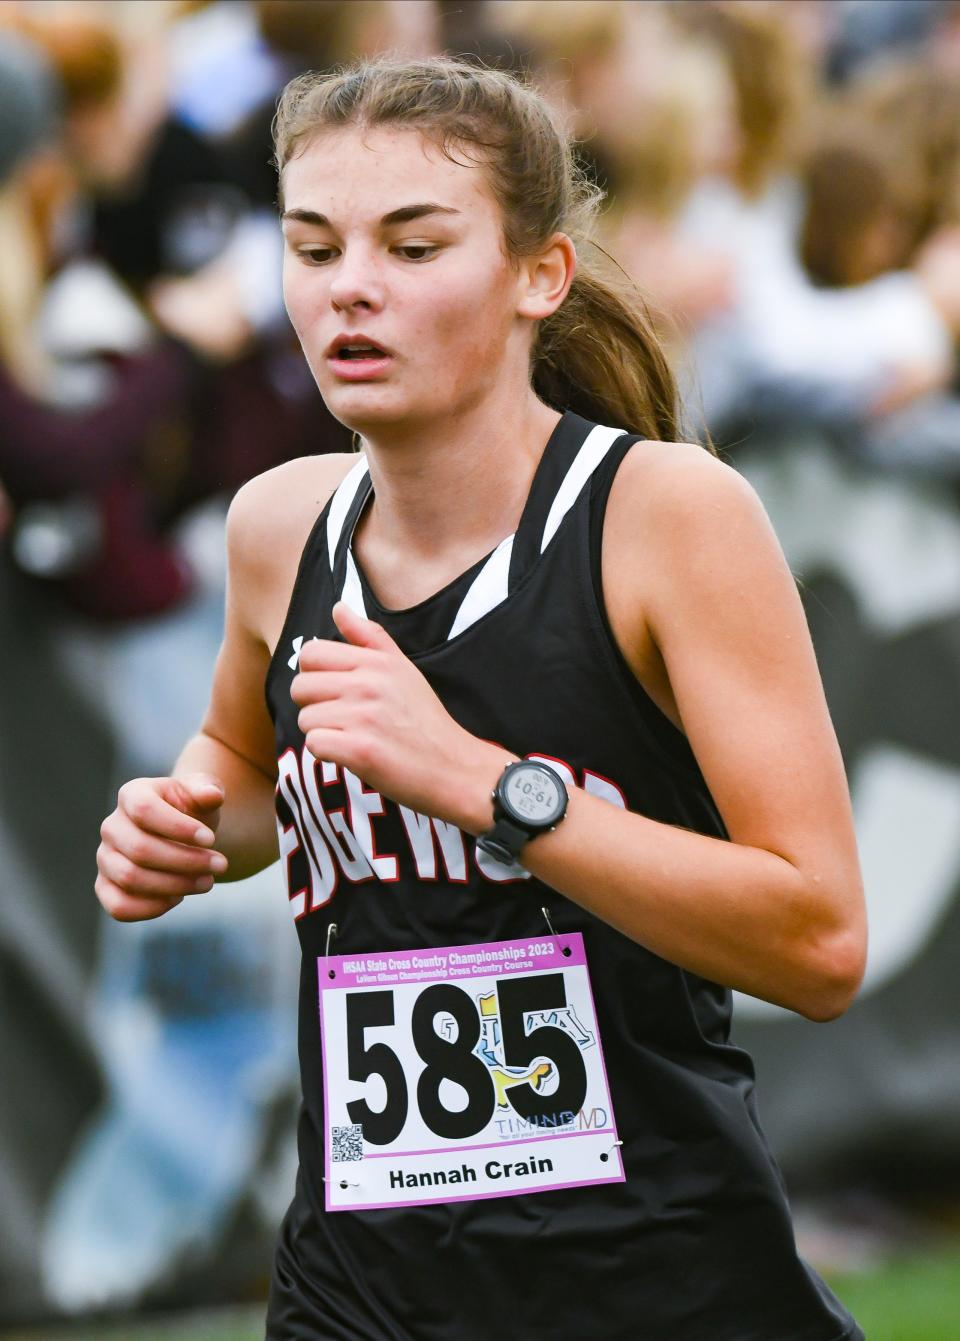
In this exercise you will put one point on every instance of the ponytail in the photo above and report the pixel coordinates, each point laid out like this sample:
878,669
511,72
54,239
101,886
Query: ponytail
599,356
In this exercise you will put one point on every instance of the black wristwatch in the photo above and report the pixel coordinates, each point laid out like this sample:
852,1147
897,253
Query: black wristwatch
529,799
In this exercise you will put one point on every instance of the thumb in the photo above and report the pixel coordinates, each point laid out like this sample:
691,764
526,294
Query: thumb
201,792
361,632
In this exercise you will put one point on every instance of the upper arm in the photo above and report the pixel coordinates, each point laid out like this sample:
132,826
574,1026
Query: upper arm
237,712
719,601
268,523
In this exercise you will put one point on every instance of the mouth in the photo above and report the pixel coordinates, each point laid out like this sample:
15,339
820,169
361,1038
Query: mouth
357,358
355,349
358,353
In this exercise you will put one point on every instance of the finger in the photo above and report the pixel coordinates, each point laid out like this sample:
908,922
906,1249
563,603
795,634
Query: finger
159,854
323,654
347,749
200,795
127,907
320,686
332,716
362,632
164,812
204,792
130,878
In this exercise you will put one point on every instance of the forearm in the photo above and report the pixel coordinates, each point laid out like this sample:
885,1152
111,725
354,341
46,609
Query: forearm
737,915
247,832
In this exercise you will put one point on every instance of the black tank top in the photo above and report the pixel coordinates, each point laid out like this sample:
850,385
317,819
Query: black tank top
696,1244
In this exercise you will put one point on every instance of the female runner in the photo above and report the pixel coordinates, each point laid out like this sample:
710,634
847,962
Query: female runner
522,1114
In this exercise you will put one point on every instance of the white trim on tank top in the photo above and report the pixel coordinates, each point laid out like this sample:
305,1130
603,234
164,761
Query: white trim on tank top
490,587
340,505
595,447
487,590
352,593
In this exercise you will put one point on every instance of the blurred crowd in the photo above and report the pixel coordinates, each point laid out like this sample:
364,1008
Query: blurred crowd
784,187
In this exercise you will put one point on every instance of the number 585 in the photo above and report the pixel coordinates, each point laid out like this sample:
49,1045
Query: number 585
455,1059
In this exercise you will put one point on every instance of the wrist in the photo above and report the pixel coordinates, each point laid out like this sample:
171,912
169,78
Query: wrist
478,775
530,800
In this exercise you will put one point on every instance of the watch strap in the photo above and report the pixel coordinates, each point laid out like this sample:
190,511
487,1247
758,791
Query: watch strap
505,841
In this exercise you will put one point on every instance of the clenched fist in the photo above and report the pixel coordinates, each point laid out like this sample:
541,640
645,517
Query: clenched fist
158,845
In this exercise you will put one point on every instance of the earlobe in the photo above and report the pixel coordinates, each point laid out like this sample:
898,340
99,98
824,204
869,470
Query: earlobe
547,278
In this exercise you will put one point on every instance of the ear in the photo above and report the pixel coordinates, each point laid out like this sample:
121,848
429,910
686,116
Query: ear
545,278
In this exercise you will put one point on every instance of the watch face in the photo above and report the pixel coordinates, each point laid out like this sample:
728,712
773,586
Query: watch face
535,795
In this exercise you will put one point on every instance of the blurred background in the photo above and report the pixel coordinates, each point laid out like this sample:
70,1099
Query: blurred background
784,187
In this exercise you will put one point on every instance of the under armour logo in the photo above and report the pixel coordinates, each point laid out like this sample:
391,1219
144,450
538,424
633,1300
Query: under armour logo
294,662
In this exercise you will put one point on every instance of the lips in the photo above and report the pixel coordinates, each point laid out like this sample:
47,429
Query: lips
358,358
354,348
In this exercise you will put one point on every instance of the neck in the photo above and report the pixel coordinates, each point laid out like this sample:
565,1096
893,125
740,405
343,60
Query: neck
458,484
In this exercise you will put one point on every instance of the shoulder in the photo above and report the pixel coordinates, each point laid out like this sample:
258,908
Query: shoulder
683,530
676,476
669,494
268,523
304,484
282,504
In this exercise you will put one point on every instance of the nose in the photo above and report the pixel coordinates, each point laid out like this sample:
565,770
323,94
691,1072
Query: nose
356,281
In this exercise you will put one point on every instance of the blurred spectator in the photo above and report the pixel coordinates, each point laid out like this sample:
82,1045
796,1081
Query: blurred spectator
652,115
852,229
291,37
221,66
788,351
910,111
122,430
882,192
695,116
74,475
157,203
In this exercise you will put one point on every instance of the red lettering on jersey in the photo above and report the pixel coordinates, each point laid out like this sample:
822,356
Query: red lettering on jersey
320,864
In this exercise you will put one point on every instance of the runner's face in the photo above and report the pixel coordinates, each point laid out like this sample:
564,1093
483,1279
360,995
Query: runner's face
435,292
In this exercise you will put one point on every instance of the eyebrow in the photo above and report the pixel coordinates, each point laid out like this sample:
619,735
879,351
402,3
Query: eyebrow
405,214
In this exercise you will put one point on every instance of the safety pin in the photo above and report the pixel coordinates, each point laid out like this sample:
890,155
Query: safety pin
331,937
606,1154
564,949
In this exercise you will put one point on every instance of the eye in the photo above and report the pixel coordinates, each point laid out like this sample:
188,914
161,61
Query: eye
417,251
316,255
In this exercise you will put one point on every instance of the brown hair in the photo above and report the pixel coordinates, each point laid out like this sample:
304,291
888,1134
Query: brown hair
768,72
915,111
849,207
597,354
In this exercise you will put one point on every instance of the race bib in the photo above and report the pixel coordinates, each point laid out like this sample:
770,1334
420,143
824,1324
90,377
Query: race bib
463,1072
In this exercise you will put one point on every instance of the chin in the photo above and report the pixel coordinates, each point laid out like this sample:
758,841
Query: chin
373,406
357,409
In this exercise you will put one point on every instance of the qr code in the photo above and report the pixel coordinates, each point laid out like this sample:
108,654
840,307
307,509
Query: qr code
347,1143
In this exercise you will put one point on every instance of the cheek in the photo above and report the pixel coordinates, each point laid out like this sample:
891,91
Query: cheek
300,297
469,320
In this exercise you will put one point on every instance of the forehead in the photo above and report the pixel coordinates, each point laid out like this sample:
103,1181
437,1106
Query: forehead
374,170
